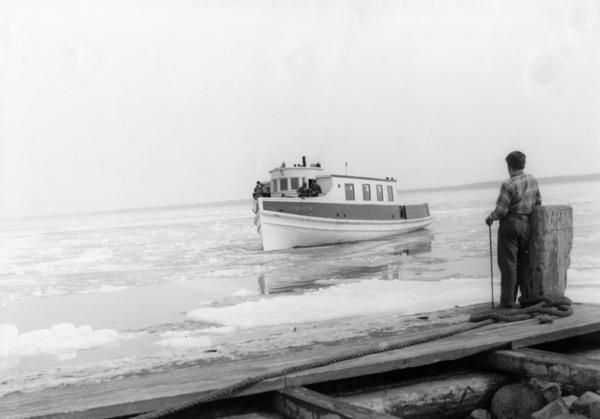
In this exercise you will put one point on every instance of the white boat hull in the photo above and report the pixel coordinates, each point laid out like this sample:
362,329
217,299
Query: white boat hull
283,230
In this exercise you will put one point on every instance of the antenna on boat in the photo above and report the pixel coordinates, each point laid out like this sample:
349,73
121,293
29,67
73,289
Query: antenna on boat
346,170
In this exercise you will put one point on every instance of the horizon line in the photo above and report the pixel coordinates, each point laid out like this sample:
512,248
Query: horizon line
550,179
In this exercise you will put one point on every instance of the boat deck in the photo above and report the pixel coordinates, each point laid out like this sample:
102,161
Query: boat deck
138,394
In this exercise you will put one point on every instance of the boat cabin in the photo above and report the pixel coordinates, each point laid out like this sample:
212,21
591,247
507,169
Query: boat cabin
357,190
286,179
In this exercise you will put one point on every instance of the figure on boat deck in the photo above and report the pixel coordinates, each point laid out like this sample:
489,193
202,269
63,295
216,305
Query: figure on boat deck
258,190
303,191
314,188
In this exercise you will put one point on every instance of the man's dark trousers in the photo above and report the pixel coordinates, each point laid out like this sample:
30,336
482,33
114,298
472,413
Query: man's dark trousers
513,259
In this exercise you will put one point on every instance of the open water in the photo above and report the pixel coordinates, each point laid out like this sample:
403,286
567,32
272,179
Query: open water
93,297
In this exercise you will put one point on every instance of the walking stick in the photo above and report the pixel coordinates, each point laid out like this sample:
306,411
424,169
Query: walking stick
491,266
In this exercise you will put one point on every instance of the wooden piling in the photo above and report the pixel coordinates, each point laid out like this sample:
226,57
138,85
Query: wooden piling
549,250
449,395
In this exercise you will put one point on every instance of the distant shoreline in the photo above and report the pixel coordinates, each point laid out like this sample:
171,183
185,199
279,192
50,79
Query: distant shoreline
490,183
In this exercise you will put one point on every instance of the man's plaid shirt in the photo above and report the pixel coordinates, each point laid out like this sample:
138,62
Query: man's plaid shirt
518,195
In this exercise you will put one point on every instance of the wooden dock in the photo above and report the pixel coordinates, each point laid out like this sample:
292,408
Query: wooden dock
144,393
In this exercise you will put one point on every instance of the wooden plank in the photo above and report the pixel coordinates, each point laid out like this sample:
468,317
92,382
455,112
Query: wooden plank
580,372
394,360
494,337
583,323
137,394
302,403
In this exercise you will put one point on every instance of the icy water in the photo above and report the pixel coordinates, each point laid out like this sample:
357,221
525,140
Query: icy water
98,296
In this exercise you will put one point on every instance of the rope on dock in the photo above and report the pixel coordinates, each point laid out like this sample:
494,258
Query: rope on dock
546,307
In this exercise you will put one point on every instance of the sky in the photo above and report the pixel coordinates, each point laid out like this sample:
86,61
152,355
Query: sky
120,104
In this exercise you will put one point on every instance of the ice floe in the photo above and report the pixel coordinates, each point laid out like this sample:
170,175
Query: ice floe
62,340
365,297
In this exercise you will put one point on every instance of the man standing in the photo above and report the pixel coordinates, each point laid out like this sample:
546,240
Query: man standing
518,196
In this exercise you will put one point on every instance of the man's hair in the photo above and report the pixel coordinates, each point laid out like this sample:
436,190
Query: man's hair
516,160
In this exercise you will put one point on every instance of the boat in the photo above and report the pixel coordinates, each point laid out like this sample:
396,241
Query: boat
301,205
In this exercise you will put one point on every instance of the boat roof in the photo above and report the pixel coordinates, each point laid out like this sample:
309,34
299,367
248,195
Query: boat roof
361,177
289,168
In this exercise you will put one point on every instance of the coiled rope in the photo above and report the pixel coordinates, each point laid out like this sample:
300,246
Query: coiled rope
552,306
555,306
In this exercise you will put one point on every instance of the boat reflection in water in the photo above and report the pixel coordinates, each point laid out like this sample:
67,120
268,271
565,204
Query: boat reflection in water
397,270
263,285
394,257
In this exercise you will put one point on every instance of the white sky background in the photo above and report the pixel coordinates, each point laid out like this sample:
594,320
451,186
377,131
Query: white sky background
115,104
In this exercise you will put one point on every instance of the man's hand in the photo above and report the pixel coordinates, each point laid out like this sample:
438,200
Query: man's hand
489,220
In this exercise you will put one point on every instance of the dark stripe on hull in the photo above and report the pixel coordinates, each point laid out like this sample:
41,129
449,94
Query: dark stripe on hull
347,211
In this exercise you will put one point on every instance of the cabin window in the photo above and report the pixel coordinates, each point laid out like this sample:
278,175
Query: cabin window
379,193
390,193
349,191
366,192
274,187
283,184
294,183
